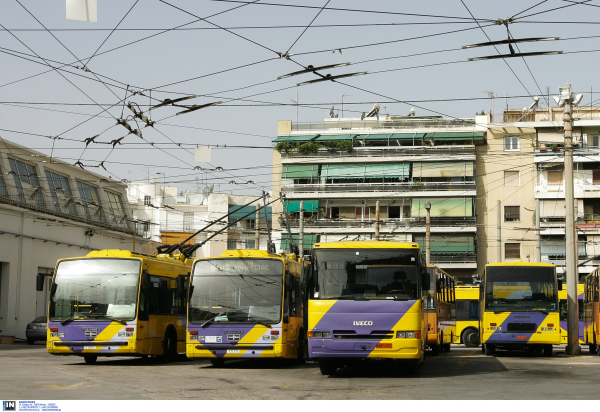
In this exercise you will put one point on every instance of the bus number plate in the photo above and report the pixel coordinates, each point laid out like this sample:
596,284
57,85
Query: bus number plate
233,351
89,348
384,345
522,337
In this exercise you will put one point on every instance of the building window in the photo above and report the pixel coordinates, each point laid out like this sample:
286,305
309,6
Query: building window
91,201
250,244
362,212
511,179
512,213
511,143
147,200
231,244
555,177
333,213
27,182
188,220
117,209
60,190
595,141
512,250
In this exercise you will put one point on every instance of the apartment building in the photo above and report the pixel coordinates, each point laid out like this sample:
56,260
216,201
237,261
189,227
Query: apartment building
51,210
341,167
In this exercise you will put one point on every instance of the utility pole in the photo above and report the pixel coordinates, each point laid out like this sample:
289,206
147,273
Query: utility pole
301,231
257,227
377,220
538,242
571,264
428,233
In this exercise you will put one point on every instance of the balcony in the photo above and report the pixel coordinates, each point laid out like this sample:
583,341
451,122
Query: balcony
385,224
370,124
379,187
35,199
456,152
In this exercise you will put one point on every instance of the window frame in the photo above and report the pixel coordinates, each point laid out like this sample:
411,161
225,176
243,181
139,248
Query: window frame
508,145
506,251
509,215
517,179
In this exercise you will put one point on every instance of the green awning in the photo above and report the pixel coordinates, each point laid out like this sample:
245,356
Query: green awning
448,245
455,136
334,137
306,138
300,171
373,171
343,171
440,207
294,205
558,248
442,169
309,241
390,136
240,211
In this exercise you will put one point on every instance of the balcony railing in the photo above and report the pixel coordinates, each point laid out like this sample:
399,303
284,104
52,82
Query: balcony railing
37,200
384,223
377,187
386,151
385,124
456,258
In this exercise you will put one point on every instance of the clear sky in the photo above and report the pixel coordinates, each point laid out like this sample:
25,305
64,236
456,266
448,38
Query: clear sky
412,51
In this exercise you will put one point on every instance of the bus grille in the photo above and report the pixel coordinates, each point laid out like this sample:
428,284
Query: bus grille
375,335
521,327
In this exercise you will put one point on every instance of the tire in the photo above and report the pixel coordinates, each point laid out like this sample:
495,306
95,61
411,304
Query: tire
328,368
446,347
30,341
414,366
169,346
300,355
435,350
548,350
90,359
470,338
593,348
490,350
218,362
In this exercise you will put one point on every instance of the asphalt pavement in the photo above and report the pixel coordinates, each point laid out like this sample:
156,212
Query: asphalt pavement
30,373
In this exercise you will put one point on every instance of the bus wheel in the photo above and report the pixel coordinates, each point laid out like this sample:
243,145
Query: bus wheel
218,362
548,350
90,359
169,346
435,350
327,368
300,355
446,347
592,348
490,349
470,338
414,366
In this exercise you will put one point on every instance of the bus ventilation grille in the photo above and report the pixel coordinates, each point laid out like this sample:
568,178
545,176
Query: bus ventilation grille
521,327
375,335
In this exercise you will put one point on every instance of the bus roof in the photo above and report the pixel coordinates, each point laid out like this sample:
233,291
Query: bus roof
366,244
521,263
249,253
118,253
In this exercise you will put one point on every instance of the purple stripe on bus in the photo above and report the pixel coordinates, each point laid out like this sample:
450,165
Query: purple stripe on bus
503,336
75,331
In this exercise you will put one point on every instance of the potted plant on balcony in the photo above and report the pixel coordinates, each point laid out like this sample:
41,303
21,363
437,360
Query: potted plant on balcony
554,148
543,147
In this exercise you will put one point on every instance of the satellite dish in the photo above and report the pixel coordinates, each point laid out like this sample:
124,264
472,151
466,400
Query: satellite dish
331,112
207,191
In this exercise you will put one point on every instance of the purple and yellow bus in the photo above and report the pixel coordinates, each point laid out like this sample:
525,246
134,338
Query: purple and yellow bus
245,304
365,300
562,304
440,308
117,303
591,310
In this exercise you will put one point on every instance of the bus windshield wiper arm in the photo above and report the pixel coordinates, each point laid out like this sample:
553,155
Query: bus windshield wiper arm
100,315
210,320
268,325
67,320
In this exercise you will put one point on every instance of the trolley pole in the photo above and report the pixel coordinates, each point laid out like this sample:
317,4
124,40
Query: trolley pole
571,241
377,220
428,233
301,231
257,228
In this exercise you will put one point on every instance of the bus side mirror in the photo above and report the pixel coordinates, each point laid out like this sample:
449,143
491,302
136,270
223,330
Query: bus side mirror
289,281
39,282
181,283
425,283
560,284
146,283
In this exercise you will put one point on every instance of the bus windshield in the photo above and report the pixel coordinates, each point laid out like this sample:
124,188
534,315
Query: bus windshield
365,274
95,288
520,288
237,291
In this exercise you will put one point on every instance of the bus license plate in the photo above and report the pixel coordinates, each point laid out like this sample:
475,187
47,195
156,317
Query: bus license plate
233,351
89,348
522,337
384,345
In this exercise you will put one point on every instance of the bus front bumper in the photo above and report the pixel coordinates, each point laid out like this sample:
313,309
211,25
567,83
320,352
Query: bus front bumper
273,350
363,349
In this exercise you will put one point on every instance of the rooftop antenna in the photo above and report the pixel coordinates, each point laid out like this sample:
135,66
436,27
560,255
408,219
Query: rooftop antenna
344,95
492,96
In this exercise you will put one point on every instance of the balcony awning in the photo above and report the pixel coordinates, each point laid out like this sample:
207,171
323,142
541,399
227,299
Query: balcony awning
334,137
391,136
305,138
453,207
294,205
364,171
309,241
446,245
558,248
240,211
442,169
300,171
455,136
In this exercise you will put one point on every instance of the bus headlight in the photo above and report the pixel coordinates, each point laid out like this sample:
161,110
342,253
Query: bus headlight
326,334
317,334
57,334
410,335
401,335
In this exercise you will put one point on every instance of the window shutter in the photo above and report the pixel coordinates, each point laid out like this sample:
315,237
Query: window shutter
512,250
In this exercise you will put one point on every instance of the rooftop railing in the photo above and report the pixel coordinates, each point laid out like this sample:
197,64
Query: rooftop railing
384,124
386,151
377,187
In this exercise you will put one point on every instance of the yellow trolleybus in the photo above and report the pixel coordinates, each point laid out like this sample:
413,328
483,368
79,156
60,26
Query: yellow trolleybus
245,304
519,307
562,304
467,315
591,311
365,301
117,303
440,310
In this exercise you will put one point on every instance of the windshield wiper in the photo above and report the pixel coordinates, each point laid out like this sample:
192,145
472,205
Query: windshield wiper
100,315
268,325
67,320
210,320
